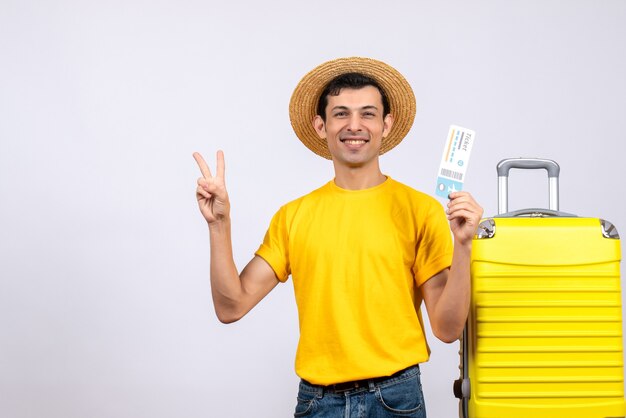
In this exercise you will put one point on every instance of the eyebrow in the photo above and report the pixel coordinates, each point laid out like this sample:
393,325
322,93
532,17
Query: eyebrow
366,107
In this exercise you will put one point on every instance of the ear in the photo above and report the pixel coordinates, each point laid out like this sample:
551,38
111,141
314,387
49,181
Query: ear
387,124
319,126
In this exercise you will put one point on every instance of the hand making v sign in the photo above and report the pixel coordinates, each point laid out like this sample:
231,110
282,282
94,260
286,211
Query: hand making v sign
211,191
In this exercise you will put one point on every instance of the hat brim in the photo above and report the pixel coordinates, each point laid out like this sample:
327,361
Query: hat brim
305,97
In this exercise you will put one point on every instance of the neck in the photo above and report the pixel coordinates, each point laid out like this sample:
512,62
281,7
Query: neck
358,178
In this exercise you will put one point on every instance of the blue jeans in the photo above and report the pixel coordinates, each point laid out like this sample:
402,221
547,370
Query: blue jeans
397,396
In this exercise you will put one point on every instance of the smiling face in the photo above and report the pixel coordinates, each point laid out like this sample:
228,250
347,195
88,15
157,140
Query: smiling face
355,126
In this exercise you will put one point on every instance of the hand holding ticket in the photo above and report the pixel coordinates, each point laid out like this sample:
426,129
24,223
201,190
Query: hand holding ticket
454,161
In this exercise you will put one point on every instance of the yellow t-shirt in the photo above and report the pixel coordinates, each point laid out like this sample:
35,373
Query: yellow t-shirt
357,258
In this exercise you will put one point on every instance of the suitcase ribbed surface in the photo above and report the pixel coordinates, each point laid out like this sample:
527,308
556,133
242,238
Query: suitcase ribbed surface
545,328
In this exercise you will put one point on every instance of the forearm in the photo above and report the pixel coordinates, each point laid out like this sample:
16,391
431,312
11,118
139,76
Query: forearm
233,294
453,305
447,297
226,287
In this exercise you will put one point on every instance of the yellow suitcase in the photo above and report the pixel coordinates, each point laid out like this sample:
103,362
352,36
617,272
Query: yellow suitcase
544,333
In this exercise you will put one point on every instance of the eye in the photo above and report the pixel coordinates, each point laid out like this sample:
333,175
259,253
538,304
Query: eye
369,115
340,114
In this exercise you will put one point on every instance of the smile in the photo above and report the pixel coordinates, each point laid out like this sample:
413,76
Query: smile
354,141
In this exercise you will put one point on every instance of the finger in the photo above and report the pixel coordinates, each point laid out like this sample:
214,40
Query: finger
204,184
220,164
461,197
201,192
211,187
462,213
465,199
468,215
458,200
456,195
464,204
469,205
456,211
204,167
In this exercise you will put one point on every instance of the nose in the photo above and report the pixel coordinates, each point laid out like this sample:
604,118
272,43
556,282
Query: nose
354,124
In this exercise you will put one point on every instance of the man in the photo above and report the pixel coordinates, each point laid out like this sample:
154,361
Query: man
363,250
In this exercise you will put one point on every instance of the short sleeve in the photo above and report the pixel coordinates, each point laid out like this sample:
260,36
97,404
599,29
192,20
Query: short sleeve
434,247
275,247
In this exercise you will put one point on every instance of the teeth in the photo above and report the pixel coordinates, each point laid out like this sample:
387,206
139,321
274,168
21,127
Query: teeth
354,141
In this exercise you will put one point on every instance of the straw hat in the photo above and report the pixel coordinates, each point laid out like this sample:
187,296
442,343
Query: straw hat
305,97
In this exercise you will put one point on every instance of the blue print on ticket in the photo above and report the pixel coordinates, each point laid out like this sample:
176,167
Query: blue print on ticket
454,161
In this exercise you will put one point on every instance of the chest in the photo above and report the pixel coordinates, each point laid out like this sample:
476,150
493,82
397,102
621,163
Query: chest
354,230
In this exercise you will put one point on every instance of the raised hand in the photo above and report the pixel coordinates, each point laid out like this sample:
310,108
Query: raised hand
211,191
464,215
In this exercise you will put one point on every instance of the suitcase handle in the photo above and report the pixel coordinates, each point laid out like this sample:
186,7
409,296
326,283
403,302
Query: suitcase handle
536,213
527,163
506,165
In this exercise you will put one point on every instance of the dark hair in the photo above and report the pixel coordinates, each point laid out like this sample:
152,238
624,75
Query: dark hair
349,81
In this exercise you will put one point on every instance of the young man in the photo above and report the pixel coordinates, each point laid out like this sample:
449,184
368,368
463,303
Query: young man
363,250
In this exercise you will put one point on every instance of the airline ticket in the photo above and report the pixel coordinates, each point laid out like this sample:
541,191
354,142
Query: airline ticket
454,161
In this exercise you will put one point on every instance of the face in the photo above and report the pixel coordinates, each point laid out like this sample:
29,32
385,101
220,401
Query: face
354,127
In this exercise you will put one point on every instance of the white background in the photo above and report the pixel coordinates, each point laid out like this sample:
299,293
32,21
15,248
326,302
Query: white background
105,307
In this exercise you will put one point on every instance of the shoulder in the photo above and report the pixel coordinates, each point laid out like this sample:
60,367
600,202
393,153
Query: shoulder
416,197
294,205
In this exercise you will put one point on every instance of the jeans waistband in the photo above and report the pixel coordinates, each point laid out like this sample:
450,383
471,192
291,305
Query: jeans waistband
363,383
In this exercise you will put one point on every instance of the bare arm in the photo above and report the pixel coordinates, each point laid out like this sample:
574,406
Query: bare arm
447,294
233,294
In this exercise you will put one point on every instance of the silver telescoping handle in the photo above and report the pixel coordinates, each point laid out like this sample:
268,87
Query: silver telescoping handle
503,168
